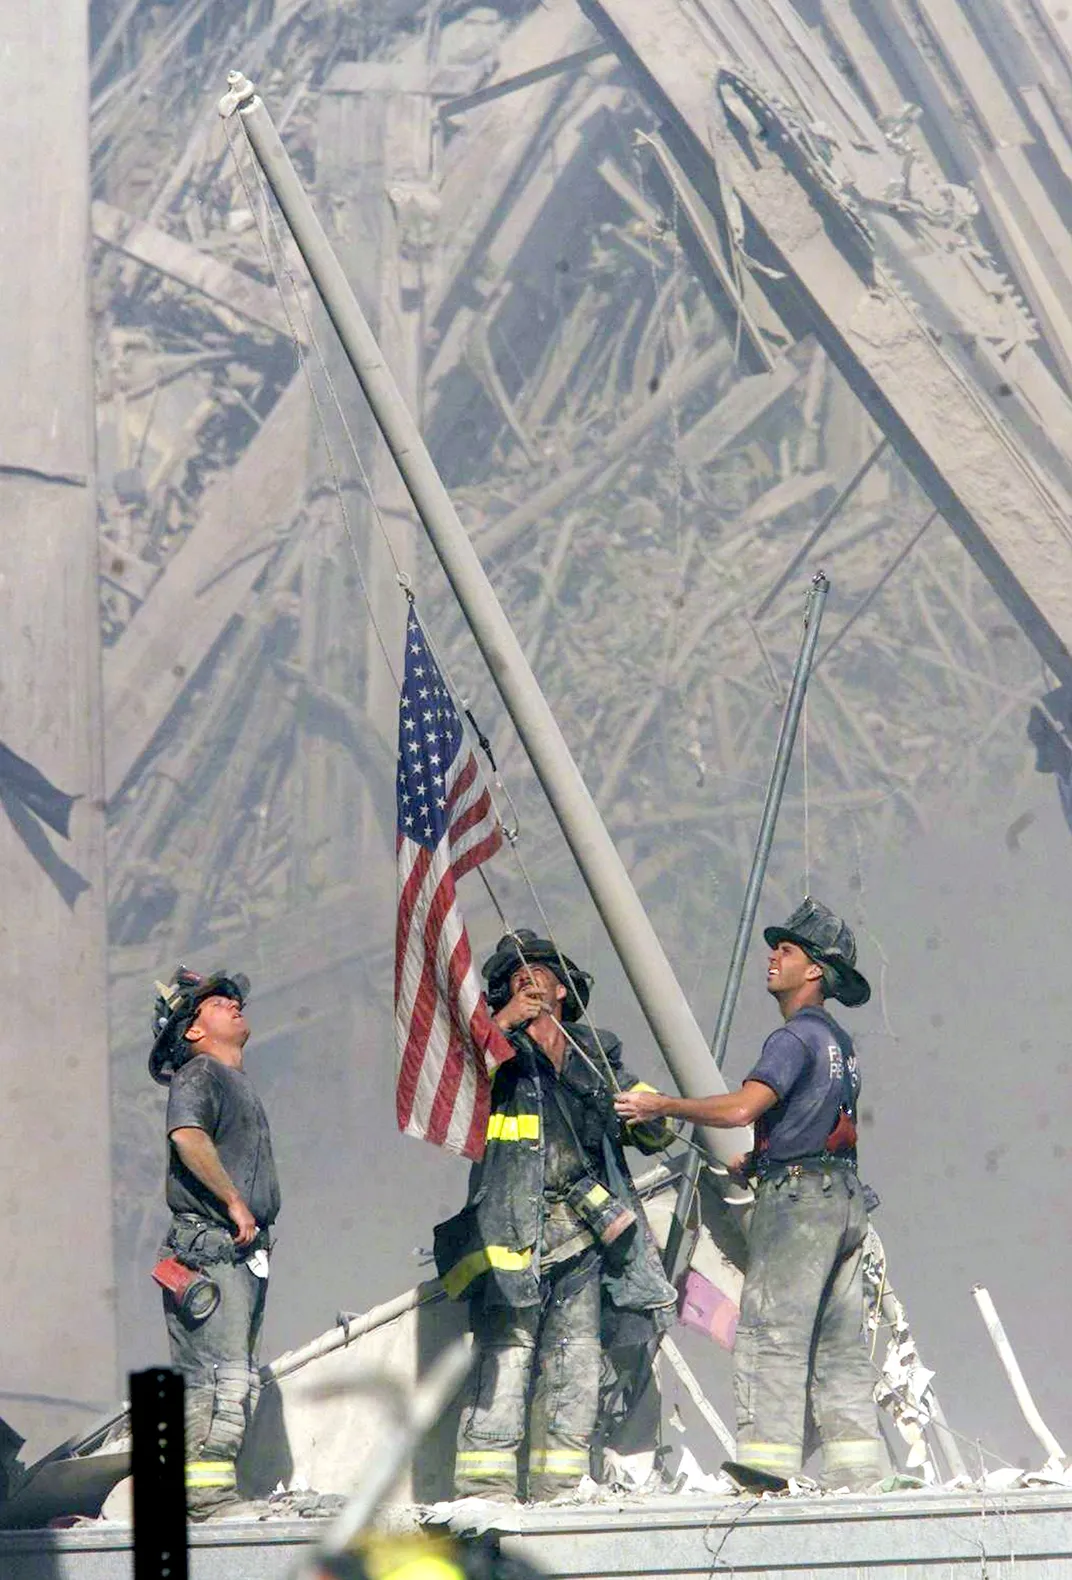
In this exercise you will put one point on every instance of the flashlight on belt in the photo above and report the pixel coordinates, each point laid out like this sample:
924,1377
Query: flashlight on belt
194,1293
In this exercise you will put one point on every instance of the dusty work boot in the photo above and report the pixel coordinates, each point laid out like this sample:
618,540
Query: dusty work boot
853,1464
240,1509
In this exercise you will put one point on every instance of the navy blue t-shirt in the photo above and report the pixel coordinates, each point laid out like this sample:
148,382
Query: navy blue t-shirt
811,1065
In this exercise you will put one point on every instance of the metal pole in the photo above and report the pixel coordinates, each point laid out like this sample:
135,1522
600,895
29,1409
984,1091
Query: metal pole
813,616
994,1327
672,1022
399,1441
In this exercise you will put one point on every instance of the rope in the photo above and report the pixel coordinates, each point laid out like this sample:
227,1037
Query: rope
660,308
512,836
807,826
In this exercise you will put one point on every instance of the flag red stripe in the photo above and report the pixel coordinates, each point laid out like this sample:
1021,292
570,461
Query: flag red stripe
479,853
450,1080
470,819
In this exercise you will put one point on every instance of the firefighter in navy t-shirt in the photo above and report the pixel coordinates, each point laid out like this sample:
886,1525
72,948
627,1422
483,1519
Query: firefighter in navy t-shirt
800,1347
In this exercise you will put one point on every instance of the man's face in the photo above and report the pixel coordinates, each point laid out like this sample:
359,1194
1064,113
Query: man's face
551,990
788,968
220,1019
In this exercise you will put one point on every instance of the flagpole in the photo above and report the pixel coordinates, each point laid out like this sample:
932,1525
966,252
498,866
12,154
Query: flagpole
783,755
658,992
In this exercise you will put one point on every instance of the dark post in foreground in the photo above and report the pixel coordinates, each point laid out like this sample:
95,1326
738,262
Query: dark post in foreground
158,1464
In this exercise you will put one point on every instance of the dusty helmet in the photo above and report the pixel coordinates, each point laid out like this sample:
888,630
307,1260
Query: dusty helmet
829,941
522,948
175,1010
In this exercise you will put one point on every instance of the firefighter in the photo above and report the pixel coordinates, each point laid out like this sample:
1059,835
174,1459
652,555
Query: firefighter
224,1196
800,1354
552,1250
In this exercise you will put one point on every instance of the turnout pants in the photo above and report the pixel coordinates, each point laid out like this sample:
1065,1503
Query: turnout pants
217,1359
800,1355
540,1364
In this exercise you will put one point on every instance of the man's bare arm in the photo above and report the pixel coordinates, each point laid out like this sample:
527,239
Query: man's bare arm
723,1110
198,1152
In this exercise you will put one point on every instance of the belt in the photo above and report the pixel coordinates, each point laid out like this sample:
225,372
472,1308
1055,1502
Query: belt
814,1163
232,1252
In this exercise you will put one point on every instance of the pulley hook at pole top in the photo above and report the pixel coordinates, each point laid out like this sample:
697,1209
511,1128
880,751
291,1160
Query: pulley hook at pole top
658,992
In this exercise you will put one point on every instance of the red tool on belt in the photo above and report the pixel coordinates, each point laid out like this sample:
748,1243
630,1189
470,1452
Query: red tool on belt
195,1294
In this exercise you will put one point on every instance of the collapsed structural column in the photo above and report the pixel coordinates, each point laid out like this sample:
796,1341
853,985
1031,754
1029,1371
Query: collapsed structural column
59,1339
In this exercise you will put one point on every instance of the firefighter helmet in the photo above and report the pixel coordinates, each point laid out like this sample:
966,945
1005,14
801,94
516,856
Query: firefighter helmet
523,948
176,1010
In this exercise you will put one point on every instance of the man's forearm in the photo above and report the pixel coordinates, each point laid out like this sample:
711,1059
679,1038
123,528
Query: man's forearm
723,1110
198,1152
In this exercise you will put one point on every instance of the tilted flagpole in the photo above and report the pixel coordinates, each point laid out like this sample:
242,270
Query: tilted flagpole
672,1022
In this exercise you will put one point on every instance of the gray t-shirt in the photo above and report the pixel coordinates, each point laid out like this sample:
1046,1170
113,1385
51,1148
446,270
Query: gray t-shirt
212,1097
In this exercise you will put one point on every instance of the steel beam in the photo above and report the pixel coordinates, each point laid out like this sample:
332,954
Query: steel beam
1010,514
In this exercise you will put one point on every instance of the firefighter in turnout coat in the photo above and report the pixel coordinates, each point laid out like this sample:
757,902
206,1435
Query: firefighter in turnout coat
800,1360
552,1249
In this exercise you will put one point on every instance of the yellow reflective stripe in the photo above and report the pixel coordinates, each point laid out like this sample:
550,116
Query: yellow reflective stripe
210,1473
461,1275
780,1458
850,1451
486,1458
565,1460
597,1195
514,1127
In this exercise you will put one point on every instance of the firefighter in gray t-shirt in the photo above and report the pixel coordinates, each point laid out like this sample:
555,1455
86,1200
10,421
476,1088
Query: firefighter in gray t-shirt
224,1195
800,1348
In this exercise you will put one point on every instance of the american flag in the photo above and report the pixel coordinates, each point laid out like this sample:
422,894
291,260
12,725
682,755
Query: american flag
447,1040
